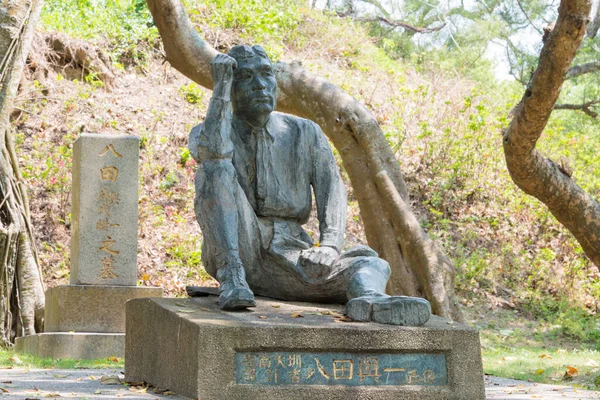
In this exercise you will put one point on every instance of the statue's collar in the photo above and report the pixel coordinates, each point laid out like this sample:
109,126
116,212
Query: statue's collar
245,130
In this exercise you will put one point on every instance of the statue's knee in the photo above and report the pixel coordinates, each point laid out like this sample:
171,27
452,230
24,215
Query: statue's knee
381,266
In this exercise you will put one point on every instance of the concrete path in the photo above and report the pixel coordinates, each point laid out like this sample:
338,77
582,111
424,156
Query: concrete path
511,389
96,384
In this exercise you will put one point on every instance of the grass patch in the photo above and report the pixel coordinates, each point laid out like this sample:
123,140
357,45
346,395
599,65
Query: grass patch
520,348
11,359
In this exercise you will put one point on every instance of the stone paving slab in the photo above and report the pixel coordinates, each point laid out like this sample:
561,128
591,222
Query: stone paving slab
511,389
79,384
23,383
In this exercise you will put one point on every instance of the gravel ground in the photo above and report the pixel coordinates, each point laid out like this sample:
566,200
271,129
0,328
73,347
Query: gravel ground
95,384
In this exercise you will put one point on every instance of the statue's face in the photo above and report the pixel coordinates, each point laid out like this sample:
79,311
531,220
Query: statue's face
254,87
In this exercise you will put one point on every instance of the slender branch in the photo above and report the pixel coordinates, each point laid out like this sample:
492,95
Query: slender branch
586,68
392,23
585,107
527,16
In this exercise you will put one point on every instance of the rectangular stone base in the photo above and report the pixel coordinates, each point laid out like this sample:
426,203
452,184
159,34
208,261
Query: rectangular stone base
296,351
91,308
73,345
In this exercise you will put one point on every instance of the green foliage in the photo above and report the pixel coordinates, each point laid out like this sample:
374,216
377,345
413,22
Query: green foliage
192,93
124,23
255,21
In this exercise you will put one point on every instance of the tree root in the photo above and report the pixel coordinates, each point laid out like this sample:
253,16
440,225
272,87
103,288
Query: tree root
73,58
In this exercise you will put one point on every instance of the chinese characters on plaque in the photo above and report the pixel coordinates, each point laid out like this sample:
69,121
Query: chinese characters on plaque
107,200
300,368
105,184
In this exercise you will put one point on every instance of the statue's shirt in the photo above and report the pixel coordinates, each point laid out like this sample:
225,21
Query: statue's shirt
276,166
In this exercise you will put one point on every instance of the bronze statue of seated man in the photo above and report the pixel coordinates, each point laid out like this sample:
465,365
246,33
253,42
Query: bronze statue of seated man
257,168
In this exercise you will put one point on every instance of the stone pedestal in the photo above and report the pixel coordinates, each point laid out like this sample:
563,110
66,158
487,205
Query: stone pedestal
84,321
87,318
296,351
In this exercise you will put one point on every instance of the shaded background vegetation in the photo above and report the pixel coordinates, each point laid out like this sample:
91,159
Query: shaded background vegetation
438,101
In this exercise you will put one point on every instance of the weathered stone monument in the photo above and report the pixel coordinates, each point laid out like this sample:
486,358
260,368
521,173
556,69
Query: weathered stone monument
296,351
86,319
257,172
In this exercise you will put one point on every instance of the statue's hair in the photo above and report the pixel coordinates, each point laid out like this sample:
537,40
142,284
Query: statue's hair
242,52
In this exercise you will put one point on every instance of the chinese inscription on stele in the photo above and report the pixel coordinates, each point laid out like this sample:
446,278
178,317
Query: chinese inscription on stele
107,200
301,368
105,210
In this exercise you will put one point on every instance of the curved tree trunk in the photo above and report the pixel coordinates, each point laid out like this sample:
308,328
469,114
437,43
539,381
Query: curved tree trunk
532,172
419,267
21,286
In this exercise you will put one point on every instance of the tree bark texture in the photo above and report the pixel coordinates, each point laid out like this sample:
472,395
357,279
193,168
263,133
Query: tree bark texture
419,267
533,173
21,286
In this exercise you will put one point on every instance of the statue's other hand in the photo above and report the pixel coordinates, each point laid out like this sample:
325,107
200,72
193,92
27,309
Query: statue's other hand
222,67
317,261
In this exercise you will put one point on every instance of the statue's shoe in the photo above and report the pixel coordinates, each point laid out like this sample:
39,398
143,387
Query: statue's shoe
394,310
234,293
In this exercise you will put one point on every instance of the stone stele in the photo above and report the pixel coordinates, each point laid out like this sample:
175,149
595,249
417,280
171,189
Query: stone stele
296,351
105,210
86,319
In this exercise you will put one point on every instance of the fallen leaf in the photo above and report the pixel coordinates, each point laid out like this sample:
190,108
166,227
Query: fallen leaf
92,377
262,316
275,306
52,395
138,389
297,315
168,393
98,391
110,380
540,371
326,313
145,277
4,390
15,360
113,359
60,375
570,373
545,356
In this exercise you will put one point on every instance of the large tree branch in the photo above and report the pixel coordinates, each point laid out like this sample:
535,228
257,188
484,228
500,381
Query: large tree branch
419,266
533,173
586,68
585,107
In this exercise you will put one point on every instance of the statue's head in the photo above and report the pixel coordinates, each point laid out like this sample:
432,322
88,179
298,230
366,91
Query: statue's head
254,88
